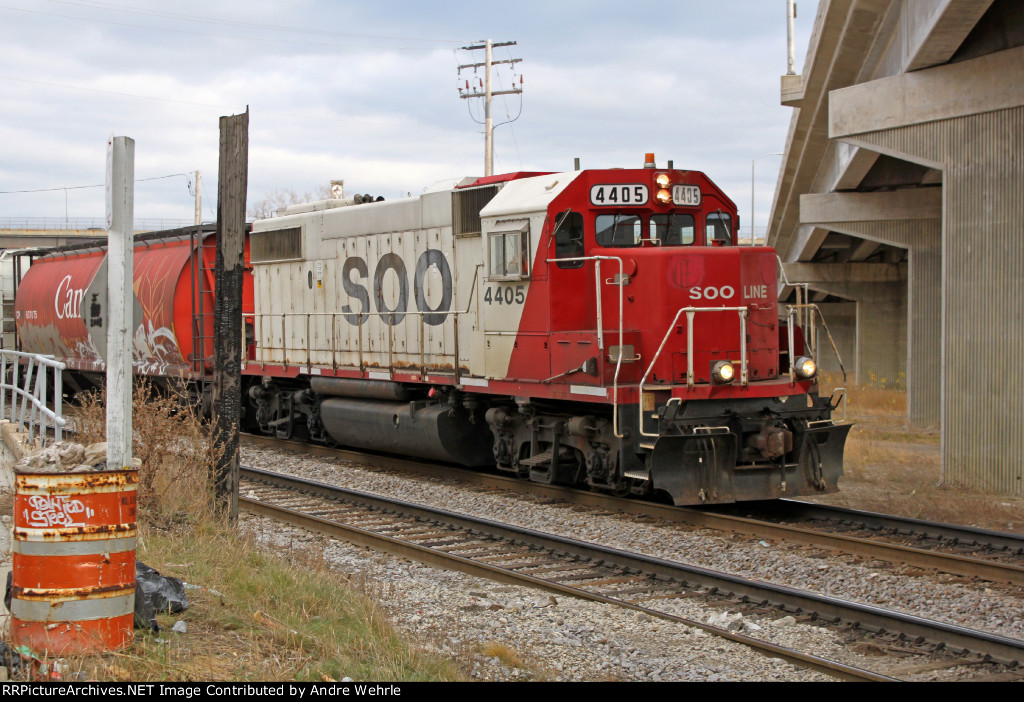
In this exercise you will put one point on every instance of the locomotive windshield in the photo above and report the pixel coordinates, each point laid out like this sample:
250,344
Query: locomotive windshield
618,229
673,229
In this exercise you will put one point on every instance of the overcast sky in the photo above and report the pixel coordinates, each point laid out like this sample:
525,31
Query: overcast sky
367,92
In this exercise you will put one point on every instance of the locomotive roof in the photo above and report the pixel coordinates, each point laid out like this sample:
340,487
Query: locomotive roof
526,195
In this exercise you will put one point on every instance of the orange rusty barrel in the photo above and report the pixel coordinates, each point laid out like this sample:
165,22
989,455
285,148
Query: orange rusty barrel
73,582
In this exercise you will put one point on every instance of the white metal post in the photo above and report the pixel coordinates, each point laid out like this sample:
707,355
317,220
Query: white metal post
120,272
790,37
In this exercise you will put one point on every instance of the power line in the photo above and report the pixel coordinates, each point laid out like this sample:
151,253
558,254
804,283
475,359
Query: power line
85,187
487,94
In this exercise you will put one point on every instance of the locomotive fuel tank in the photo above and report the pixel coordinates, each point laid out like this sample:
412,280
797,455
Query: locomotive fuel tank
430,430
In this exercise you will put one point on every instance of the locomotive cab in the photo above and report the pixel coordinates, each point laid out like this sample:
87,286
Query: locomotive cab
640,298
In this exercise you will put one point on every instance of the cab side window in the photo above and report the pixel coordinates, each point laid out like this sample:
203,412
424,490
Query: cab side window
569,239
509,253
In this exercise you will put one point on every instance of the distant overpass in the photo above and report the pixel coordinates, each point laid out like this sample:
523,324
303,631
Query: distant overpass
900,204
30,232
36,232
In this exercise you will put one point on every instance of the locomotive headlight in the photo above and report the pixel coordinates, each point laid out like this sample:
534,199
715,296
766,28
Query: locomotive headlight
806,367
723,372
664,196
662,180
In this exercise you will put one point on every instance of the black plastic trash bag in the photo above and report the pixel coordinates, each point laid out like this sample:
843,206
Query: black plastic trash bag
156,593
145,615
12,660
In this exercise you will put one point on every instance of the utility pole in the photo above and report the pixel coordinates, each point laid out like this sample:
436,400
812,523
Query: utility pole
232,181
199,202
487,94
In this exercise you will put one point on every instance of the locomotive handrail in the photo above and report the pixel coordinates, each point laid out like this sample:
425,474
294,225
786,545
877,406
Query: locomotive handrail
600,324
32,411
791,311
690,312
333,350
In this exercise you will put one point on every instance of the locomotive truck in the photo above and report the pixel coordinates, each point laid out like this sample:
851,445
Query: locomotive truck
594,327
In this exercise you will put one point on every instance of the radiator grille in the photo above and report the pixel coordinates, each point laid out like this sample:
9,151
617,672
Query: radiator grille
466,206
276,245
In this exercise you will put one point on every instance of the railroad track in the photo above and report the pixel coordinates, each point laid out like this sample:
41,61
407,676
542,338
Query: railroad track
521,556
989,555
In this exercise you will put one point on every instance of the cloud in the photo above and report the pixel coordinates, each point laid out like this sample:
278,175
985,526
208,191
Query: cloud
367,92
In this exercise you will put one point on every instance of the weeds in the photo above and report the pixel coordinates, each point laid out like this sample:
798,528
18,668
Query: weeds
256,611
503,652
175,448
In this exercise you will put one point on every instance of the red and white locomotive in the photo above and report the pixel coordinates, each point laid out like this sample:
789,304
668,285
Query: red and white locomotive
597,327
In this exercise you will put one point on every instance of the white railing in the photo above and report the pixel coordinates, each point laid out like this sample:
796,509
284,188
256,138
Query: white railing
26,406
813,314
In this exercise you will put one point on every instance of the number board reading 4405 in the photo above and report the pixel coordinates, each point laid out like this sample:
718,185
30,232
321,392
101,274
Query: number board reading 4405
619,194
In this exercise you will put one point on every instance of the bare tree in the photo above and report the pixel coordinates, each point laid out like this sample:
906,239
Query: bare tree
279,198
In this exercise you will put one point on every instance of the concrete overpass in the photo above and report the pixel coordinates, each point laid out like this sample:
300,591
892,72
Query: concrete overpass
900,204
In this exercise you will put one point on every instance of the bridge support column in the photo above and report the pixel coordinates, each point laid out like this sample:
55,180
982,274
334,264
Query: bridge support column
880,326
910,219
967,119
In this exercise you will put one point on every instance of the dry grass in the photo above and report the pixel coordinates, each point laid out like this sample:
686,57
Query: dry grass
256,616
892,467
259,617
264,617
504,653
175,448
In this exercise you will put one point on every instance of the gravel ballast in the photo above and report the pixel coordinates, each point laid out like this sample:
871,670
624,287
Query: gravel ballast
512,633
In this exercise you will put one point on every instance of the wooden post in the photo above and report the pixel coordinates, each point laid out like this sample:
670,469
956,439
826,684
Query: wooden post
120,296
227,311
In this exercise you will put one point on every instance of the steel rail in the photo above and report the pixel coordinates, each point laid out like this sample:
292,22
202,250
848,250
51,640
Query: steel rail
956,564
998,648
953,533
438,558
